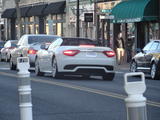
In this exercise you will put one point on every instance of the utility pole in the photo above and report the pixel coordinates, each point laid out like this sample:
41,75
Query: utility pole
19,30
96,21
77,23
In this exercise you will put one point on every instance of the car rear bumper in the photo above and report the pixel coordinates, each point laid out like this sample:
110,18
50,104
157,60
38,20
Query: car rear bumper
72,67
89,71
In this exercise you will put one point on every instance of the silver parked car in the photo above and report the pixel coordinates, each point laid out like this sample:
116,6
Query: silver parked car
78,56
27,46
6,50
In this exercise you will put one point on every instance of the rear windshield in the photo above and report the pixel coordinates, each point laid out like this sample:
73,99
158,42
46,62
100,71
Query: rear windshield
14,42
77,42
41,39
13,45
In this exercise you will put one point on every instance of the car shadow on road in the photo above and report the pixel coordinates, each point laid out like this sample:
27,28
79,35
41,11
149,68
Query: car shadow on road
76,78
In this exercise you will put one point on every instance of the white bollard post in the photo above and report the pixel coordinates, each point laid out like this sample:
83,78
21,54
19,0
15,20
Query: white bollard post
24,88
135,102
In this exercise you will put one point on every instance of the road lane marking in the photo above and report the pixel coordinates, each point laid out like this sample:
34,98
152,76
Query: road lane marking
8,74
91,90
81,88
85,89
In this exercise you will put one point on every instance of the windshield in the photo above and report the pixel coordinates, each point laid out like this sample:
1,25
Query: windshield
41,39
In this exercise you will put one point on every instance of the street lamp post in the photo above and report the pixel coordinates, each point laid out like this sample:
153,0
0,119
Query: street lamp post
19,30
77,23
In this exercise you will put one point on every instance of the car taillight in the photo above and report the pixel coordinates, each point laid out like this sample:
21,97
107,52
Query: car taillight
11,47
109,53
71,52
32,51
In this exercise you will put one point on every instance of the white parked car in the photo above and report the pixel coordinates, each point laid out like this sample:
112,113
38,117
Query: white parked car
27,46
6,50
78,56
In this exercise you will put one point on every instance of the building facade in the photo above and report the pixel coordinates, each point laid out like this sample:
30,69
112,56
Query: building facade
87,29
37,17
56,17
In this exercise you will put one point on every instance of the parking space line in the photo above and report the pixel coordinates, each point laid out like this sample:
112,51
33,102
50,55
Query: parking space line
85,89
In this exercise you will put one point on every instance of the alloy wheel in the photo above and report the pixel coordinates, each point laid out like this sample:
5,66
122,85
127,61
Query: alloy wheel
153,71
133,67
12,66
0,57
36,67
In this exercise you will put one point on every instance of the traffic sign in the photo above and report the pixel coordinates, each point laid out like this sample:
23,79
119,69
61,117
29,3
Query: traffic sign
88,17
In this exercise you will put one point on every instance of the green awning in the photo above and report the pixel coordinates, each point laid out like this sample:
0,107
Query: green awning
135,11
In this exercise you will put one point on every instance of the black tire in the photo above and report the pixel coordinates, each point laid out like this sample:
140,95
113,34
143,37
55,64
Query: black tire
9,59
12,66
1,60
155,73
108,76
55,73
37,70
133,66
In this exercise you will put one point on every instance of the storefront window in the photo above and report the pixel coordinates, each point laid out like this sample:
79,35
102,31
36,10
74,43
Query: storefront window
59,29
59,17
31,19
131,30
29,29
54,24
23,20
54,17
47,29
153,30
23,29
37,29
54,29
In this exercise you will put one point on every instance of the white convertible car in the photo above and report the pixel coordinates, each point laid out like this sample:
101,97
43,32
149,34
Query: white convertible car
78,56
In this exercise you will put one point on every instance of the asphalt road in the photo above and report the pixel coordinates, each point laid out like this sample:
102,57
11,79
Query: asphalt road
73,98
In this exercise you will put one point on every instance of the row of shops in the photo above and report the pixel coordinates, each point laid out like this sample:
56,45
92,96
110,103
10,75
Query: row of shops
36,19
138,20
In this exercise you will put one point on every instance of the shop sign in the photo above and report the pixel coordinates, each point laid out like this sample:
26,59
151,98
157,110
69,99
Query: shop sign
106,11
102,17
109,17
88,17
131,20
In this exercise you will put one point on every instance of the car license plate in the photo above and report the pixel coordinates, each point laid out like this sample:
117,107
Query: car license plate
91,54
